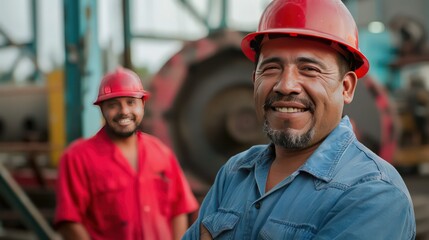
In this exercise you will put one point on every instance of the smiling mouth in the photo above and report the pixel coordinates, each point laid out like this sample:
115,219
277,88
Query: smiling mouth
288,109
125,121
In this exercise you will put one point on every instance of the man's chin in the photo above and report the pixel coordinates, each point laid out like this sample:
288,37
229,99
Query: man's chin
124,134
288,138
121,133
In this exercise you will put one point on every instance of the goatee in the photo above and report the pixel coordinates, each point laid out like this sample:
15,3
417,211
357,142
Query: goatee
287,139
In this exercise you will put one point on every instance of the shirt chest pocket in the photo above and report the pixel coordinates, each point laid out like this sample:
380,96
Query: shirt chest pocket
110,196
163,191
221,225
278,229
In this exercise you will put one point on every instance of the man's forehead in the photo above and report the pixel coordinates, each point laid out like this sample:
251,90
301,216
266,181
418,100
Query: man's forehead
271,47
311,42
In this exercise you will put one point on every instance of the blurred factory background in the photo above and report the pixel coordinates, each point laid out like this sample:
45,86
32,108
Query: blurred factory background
54,52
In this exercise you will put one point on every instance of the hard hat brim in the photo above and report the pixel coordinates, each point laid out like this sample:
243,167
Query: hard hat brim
143,95
296,32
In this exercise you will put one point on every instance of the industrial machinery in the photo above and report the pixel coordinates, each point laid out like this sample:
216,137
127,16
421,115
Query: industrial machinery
202,106
202,103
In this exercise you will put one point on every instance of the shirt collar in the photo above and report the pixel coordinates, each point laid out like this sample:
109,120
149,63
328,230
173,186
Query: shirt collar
252,158
321,163
102,137
324,160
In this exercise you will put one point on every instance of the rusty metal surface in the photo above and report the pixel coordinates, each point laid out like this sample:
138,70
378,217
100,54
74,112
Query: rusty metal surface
418,186
16,198
24,147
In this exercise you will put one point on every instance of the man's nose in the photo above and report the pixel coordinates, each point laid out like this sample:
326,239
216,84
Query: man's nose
288,82
125,109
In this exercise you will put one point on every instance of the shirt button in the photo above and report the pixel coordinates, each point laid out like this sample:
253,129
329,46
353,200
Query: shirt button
258,205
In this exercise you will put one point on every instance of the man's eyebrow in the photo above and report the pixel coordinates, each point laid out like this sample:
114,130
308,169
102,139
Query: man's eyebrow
298,60
312,60
271,60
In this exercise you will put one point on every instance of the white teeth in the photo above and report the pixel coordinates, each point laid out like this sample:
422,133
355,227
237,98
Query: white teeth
124,121
289,110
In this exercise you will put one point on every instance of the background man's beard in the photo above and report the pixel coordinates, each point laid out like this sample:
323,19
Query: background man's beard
120,135
287,139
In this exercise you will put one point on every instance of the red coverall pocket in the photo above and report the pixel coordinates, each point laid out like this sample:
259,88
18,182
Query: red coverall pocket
162,188
110,203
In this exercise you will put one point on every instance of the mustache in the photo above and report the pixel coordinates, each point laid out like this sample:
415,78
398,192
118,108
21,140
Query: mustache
287,98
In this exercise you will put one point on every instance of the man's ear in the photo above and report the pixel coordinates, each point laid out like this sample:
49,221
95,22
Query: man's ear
253,77
349,86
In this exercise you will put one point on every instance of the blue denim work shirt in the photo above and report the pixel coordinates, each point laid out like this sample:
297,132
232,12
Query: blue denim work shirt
343,191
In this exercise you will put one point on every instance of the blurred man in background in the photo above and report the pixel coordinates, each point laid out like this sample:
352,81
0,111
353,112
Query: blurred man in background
122,183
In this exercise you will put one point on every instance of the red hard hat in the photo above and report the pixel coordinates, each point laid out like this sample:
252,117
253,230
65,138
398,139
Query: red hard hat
121,83
319,19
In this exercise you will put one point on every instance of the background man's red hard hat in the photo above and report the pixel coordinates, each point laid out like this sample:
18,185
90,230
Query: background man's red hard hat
121,83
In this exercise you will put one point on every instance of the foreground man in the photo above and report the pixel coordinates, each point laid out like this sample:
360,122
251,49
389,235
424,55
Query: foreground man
122,183
315,180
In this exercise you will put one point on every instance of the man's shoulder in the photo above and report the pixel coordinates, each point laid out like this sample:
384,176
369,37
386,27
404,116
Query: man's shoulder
374,161
94,145
363,165
78,145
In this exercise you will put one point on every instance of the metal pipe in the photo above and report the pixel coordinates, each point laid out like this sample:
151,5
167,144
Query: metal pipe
127,32
16,197
73,82
195,14
159,37
33,43
224,15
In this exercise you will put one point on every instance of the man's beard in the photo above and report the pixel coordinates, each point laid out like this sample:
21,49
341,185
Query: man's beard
119,134
288,140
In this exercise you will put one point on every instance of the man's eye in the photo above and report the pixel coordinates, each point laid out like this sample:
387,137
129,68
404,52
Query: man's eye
111,105
271,69
310,68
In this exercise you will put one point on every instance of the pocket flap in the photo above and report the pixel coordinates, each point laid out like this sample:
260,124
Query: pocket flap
220,222
109,185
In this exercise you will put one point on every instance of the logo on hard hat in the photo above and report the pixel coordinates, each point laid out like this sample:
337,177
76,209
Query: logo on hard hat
107,89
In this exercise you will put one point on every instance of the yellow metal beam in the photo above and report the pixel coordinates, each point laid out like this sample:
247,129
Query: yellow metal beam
56,107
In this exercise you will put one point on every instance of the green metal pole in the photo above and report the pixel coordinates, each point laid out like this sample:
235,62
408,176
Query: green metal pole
127,33
194,13
224,15
91,67
83,68
73,53
33,44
